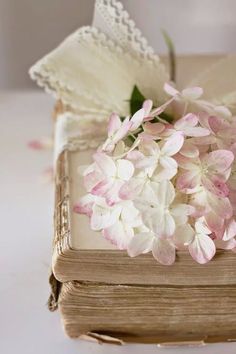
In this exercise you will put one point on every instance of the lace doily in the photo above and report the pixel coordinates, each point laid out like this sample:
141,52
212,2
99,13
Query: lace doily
94,70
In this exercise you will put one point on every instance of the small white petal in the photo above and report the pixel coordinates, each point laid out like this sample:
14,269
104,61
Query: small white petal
183,236
125,169
163,251
192,93
140,243
202,249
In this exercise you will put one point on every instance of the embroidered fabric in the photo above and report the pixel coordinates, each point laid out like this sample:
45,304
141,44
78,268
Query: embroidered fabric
73,133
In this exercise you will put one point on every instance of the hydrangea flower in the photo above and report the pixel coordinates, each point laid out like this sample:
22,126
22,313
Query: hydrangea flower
158,186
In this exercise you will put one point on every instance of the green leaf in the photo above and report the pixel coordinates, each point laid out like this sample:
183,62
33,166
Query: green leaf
136,100
167,117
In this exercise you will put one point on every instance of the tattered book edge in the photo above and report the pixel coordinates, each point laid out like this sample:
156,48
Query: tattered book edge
107,339
54,295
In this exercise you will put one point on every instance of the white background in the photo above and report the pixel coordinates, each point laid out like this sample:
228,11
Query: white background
28,29
31,28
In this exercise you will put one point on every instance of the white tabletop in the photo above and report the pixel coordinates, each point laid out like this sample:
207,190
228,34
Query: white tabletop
26,206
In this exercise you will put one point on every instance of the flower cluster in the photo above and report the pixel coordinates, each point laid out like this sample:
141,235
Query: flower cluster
163,186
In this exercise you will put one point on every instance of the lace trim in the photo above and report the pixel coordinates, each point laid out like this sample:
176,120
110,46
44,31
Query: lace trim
122,26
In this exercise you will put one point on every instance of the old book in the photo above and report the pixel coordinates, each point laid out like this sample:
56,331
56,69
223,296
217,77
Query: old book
104,293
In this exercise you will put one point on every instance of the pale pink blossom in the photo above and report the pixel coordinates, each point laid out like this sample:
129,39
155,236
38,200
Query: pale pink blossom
158,210
117,129
202,247
222,132
210,170
107,175
160,187
157,157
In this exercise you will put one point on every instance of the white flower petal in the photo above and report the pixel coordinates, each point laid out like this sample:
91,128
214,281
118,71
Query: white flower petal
137,119
125,169
201,226
119,234
202,249
192,93
164,192
163,251
183,236
140,243
180,212
160,222
105,163
173,144
104,216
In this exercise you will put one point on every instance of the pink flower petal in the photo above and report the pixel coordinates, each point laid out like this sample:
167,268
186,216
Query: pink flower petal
153,128
147,106
226,245
131,189
219,160
189,149
188,180
196,131
215,123
137,119
122,132
216,186
221,206
202,249
119,235
114,124
170,90
101,188
230,230
157,111
35,145
85,205
92,179
214,222
190,120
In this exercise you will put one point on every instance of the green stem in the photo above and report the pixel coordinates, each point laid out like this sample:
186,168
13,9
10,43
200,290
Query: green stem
171,52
